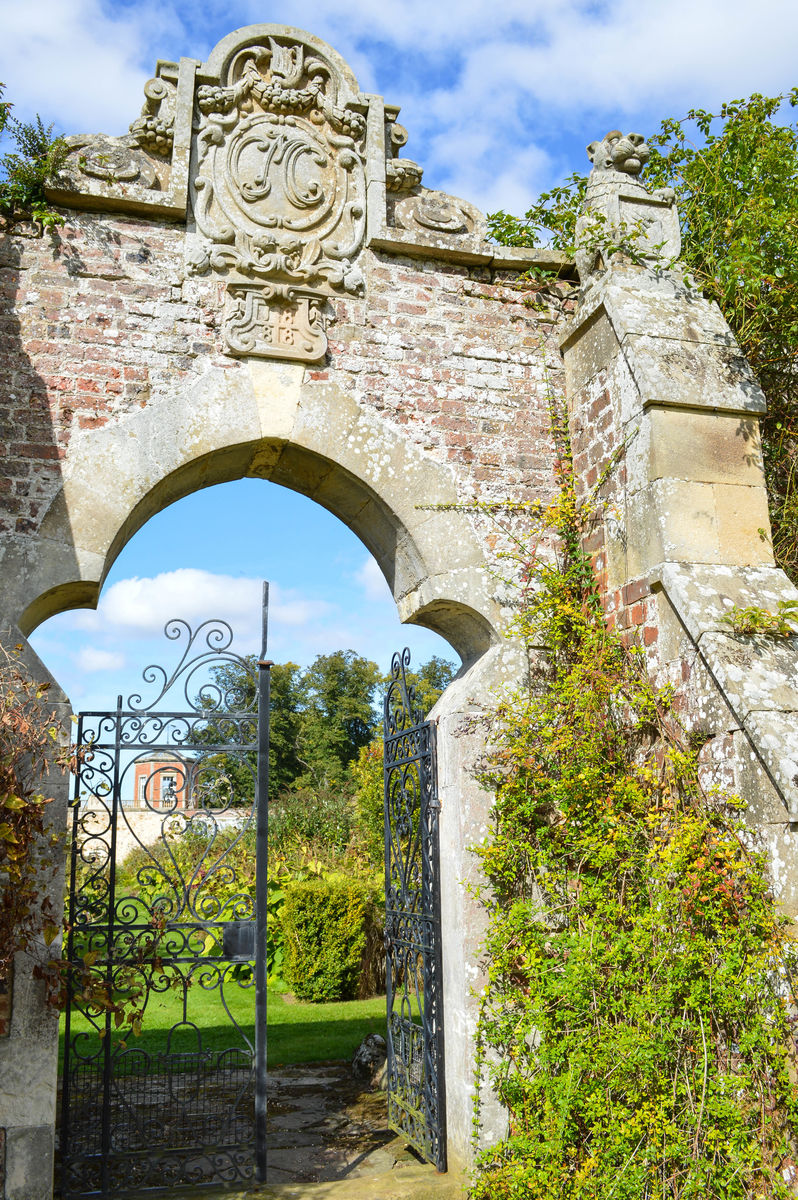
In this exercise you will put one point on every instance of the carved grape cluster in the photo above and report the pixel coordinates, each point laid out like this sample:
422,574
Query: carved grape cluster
152,133
347,121
215,99
276,98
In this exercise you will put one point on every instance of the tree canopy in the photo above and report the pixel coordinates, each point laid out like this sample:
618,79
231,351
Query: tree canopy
735,173
321,718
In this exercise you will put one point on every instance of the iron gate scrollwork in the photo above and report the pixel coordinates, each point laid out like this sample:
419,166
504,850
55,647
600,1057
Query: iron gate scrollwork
416,1089
165,912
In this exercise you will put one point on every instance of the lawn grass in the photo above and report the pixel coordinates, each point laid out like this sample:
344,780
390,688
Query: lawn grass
298,1032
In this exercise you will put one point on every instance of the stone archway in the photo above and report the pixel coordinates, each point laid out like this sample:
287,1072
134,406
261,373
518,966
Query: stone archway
254,283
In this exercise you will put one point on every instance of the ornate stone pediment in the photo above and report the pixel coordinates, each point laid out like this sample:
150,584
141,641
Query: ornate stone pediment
278,180
284,172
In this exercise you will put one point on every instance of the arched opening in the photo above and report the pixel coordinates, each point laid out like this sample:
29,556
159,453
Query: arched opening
304,1031
266,421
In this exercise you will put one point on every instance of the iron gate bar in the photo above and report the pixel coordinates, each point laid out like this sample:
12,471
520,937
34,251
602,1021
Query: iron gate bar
119,1103
416,1082
262,896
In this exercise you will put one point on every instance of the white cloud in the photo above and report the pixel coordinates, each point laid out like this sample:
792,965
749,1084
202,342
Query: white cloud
140,607
94,658
78,64
372,580
498,99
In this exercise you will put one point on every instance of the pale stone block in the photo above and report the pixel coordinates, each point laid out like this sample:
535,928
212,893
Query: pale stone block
705,447
29,1162
704,594
692,374
277,388
668,311
589,350
743,524
48,576
773,734
757,673
687,519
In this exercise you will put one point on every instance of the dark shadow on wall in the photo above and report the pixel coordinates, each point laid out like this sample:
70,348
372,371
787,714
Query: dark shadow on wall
30,468
30,474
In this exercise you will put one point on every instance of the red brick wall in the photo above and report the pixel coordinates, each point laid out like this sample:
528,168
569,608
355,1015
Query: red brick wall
98,320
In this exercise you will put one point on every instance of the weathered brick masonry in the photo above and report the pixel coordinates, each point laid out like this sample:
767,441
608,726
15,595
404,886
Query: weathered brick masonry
100,321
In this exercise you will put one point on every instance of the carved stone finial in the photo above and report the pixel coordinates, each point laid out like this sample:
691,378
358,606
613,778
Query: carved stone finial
401,174
616,152
621,219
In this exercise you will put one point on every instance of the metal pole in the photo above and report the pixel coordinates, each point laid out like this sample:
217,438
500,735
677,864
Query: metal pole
66,1143
110,951
261,894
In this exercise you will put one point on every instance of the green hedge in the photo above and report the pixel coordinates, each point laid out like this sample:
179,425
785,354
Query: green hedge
329,932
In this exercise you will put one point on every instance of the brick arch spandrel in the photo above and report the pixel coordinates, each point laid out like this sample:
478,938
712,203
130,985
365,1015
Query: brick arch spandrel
265,420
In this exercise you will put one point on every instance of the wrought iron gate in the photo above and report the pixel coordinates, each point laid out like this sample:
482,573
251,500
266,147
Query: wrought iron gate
165,911
416,1090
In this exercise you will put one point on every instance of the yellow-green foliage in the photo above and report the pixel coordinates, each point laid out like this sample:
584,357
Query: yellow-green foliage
636,1023
367,772
326,924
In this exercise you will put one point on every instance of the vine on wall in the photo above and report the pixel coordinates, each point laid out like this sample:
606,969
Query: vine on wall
30,744
637,1020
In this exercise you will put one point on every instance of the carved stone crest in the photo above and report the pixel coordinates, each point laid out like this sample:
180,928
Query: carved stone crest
278,182
437,212
275,322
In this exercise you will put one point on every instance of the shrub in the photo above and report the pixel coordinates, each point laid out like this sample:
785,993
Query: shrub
328,927
310,815
369,801
637,1021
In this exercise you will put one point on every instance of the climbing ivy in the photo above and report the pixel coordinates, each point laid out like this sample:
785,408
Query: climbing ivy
30,744
636,1022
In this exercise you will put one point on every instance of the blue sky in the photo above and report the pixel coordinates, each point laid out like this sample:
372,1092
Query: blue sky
500,101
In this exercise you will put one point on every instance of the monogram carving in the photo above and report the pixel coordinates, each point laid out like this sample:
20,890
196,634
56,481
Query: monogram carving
275,322
278,185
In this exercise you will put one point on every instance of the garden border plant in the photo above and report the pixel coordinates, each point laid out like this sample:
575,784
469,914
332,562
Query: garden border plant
637,1021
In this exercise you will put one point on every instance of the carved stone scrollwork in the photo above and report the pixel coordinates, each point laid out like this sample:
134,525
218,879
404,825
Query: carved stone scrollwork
401,174
111,160
278,182
437,212
275,322
154,129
